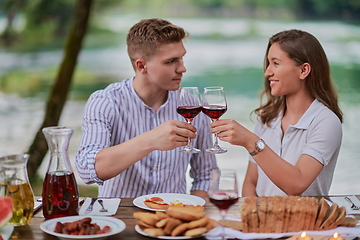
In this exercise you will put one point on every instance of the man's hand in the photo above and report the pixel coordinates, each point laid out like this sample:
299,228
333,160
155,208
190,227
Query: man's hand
200,193
167,136
171,134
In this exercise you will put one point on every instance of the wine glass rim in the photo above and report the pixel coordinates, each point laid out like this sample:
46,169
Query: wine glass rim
189,87
217,172
214,87
15,157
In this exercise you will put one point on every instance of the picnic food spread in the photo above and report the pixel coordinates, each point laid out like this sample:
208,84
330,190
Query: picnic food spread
158,203
289,214
176,221
80,227
6,210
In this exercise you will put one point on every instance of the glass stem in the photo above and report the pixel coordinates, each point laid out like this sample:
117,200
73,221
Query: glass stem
189,120
223,214
189,143
216,143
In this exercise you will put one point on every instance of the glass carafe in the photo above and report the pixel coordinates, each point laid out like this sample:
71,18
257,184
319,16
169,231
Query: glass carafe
15,184
60,193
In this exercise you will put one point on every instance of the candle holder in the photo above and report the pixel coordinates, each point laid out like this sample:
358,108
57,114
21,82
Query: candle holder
336,236
303,236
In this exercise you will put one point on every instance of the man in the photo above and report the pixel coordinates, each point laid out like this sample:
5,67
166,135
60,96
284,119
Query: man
131,131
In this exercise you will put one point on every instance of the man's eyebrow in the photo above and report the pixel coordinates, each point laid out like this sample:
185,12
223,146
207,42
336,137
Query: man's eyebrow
171,58
174,58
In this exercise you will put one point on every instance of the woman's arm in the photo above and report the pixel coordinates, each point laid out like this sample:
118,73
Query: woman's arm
250,181
293,180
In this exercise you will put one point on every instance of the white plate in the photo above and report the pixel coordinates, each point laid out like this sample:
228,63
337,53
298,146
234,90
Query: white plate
138,229
6,231
115,224
168,198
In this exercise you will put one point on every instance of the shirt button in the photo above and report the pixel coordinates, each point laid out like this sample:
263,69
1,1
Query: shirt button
155,169
154,116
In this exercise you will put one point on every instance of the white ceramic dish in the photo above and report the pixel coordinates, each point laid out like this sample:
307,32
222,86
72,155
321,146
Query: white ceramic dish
138,229
168,198
6,231
115,224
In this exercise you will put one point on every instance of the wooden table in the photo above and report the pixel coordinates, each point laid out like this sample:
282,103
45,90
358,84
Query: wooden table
125,213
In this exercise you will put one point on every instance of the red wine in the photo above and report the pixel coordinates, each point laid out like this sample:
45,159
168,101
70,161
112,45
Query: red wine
224,200
60,195
214,111
189,112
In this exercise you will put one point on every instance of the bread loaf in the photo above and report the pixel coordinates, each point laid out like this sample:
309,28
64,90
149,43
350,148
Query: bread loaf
291,214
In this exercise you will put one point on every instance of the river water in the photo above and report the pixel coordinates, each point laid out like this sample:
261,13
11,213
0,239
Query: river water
235,64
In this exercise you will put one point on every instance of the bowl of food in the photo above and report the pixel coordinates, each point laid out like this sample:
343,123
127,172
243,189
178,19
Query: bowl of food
81,227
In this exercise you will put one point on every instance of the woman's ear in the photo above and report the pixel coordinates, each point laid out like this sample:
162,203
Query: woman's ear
140,65
305,70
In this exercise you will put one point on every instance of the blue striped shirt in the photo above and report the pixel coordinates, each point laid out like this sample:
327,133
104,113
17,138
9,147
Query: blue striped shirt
117,114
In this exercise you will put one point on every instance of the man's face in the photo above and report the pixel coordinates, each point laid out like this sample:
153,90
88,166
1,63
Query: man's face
166,67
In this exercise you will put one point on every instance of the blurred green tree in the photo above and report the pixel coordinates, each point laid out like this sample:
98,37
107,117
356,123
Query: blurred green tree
45,22
11,9
58,95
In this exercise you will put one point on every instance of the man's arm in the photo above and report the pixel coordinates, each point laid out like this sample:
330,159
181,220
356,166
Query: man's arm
98,159
167,136
200,193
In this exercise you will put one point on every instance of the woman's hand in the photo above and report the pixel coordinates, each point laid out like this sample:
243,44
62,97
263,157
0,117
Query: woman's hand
234,133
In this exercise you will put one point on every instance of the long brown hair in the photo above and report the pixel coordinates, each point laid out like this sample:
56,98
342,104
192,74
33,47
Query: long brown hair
302,47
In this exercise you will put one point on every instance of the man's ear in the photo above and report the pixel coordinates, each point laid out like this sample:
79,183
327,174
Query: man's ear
305,70
140,65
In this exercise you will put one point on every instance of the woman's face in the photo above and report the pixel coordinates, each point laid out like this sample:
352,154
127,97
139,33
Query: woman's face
282,73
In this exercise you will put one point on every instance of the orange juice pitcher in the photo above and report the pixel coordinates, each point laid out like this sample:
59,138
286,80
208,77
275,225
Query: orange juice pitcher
14,183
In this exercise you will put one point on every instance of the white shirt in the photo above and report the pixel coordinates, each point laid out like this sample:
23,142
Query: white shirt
318,133
117,114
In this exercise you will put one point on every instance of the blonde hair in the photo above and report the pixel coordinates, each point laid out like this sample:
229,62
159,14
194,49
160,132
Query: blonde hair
302,47
145,37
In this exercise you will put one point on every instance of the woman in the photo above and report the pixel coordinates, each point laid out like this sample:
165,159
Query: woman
298,134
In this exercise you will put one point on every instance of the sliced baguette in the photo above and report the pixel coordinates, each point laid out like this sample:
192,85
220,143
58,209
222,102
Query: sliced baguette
279,214
270,218
339,219
331,214
303,209
349,222
254,217
313,213
322,209
244,217
294,215
262,213
288,203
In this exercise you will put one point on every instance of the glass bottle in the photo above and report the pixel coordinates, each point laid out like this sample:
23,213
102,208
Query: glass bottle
60,193
15,184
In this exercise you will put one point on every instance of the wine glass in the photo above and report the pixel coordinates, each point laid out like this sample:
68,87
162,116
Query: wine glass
214,106
223,191
189,106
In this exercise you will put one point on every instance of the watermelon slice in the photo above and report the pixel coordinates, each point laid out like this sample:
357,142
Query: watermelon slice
6,210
